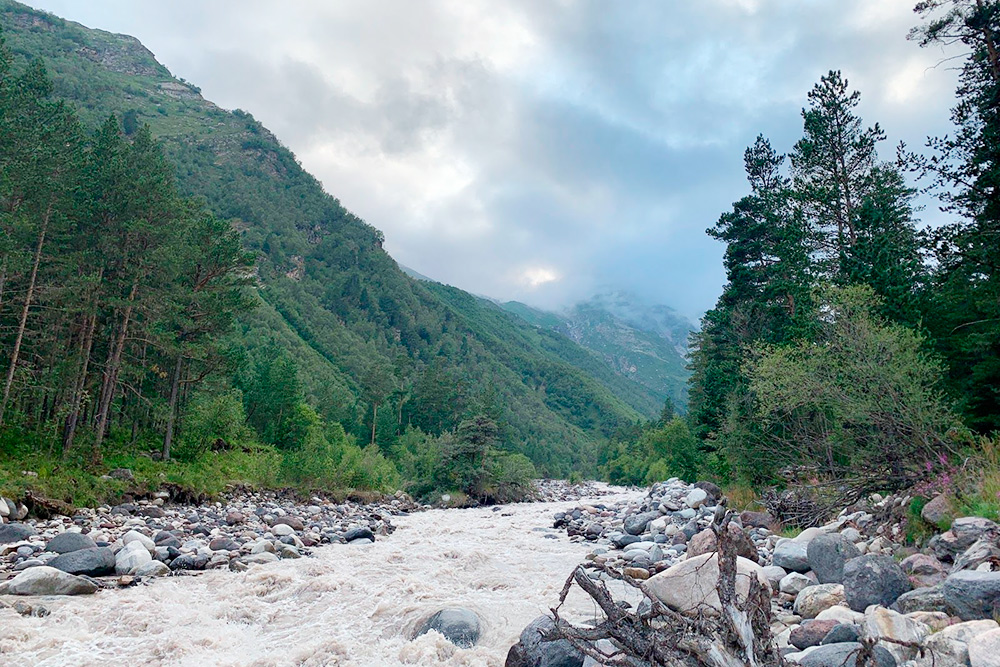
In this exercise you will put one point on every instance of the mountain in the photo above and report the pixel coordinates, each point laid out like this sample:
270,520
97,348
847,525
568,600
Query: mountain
361,331
647,344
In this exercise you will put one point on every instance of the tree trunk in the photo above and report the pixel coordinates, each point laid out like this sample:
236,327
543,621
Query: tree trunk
24,313
73,418
111,375
172,408
374,420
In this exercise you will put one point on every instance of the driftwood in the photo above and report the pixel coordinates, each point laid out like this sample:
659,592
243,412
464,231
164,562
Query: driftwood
660,637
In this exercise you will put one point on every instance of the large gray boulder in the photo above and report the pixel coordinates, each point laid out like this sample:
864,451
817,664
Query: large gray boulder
44,580
827,555
93,562
636,524
459,626
15,532
950,646
64,543
691,586
929,598
873,579
972,595
839,655
792,555
531,651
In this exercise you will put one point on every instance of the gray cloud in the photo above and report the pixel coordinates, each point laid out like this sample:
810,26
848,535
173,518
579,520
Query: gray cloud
541,150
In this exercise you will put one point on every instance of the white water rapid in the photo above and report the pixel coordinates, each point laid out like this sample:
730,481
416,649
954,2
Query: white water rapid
350,605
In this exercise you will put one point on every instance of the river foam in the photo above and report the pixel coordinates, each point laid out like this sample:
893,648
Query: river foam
351,605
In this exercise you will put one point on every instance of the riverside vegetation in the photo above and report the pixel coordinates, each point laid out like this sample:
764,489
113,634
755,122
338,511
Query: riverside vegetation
178,297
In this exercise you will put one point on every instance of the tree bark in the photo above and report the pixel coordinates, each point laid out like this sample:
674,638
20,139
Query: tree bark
24,313
172,409
73,418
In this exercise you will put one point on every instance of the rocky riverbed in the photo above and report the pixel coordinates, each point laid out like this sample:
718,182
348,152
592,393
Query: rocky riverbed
393,583
831,586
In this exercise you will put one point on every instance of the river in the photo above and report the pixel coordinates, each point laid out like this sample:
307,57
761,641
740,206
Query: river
350,605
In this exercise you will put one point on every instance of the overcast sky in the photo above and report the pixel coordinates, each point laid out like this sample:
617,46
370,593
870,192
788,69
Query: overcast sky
540,150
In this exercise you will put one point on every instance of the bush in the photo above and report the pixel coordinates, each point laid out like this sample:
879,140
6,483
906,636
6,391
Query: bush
212,419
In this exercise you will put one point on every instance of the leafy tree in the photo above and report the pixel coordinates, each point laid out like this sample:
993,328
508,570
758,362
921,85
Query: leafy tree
861,402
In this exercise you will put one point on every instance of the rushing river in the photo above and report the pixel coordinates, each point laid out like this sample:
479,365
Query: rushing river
349,605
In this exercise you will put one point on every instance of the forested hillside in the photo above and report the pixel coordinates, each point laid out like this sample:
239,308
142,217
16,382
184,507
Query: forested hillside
319,330
644,344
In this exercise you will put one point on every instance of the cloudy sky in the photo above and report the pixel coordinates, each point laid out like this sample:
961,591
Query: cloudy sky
540,149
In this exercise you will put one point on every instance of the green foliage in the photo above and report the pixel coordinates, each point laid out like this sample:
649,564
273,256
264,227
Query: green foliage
661,451
859,401
214,420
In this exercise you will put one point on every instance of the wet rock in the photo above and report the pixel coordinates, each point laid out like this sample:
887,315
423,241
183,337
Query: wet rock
531,651
873,579
827,555
92,562
359,534
459,626
44,580
70,541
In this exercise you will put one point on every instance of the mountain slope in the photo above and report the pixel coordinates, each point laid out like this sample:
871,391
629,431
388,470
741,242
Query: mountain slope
644,344
362,331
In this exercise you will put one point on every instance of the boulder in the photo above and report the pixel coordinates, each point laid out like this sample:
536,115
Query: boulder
93,562
135,536
972,595
810,602
636,524
706,542
70,541
983,550
842,632
810,633
131,557
791,555
459,626
873,579
153,568
827,555
984,649
950,646
44,580
15,532
839,655
293,521
794,583
930,598
359,534
774,575
937,511
531,651
891,627
282,530
923,570
696,498
690,585
711,488
756,519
